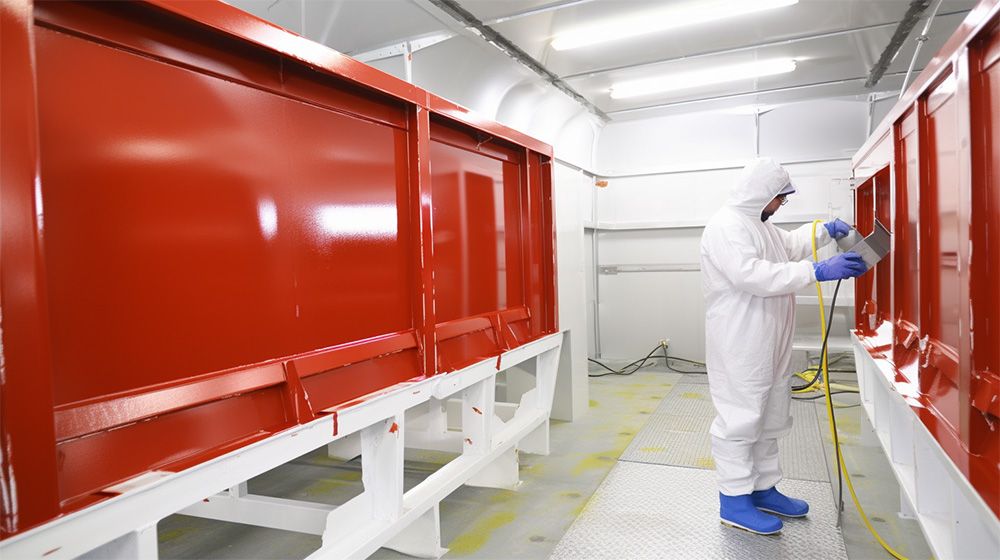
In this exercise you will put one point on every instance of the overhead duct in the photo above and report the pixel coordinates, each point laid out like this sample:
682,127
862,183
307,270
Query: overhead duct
903,30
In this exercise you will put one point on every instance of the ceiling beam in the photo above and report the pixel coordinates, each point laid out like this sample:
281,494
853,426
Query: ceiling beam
744,94
423,41
551,7
470,23
780,42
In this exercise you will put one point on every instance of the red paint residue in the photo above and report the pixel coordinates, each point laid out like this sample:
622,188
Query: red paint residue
498,361
336,423
394,428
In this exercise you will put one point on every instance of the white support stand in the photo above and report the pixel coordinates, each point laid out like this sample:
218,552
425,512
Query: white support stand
954,518
455,412
139,544
345,448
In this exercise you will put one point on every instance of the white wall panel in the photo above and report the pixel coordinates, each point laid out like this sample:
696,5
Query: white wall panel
814,129
637,309
588,205
572,395
676,141
590,267
575,141
640,309
680,197
667,246
692,198
822,190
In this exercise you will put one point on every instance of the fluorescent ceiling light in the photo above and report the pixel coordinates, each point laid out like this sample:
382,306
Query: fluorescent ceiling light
688,80
693,13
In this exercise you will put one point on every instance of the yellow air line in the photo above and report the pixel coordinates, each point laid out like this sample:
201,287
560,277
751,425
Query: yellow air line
829,413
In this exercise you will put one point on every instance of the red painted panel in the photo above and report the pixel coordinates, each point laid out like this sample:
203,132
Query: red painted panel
91,463
946,306
491,244
883,270
985,215
939,245
29,492
984,363
943,205
344,384
906,273
237,227
469,231
202,212
864,216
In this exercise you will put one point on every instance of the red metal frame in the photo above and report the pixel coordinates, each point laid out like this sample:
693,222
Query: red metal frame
936,322
214,229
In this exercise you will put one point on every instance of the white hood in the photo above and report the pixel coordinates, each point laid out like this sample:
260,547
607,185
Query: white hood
759,182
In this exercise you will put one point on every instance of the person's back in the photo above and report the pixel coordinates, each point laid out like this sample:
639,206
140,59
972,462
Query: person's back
751,270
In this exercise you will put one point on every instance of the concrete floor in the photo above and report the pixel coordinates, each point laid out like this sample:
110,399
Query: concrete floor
487,523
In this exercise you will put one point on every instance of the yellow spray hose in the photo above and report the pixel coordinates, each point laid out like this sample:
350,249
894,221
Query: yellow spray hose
829,413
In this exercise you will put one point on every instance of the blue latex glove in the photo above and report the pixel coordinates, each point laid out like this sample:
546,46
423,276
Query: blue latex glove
840,266
837,228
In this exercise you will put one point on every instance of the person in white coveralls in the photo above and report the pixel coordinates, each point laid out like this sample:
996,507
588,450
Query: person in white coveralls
751,270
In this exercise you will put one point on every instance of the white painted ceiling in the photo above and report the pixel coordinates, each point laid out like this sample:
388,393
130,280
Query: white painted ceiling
835,43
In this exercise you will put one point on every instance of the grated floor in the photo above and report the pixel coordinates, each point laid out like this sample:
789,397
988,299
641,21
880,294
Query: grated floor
677,434
656,511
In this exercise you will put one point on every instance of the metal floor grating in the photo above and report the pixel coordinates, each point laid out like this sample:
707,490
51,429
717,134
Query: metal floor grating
653,511
677,434
687,399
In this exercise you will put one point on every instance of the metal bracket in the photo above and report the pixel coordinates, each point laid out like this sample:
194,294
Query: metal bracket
402,48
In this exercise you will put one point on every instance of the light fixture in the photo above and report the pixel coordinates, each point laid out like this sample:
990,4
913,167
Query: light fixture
709,76
695,12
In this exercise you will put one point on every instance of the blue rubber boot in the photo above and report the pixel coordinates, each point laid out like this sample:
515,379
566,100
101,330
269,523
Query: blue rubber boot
773,501
739,511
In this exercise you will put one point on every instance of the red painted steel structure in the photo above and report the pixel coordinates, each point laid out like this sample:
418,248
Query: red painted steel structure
931,174
214,229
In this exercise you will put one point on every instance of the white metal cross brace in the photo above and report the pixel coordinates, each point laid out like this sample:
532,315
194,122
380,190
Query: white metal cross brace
383,515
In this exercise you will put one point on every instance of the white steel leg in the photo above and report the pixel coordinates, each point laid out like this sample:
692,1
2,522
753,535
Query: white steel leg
345,448
134,545
906,510
537,442
540,398
382,467
547,368
437,416
422,538
503,473
478,403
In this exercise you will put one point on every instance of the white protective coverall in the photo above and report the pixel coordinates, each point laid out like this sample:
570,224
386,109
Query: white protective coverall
750,273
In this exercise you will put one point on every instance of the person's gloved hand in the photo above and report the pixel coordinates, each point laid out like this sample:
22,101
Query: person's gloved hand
840,266
837,228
